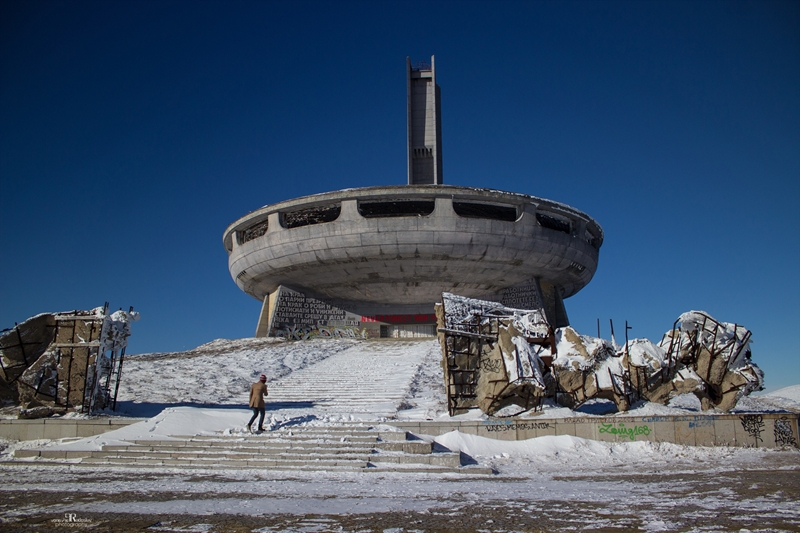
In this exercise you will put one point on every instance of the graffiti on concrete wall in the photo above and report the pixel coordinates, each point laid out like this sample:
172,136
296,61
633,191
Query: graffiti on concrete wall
784,434
624,432
701,423
753,425
520,426
491,365
302,333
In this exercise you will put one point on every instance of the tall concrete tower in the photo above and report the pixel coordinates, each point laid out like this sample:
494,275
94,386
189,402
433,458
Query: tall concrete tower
424,125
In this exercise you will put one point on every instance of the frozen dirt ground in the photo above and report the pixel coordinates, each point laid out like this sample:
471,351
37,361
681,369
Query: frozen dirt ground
759,494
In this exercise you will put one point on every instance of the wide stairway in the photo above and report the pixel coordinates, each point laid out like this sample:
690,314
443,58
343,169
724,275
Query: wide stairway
367,381
344,447
324,417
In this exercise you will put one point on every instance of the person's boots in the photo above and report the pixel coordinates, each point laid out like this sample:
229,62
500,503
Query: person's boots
249,428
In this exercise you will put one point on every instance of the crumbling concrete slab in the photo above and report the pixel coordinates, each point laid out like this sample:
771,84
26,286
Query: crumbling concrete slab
495,357
56,362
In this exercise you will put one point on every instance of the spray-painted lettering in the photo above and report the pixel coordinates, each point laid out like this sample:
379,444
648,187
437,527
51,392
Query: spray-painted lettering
625,432
753,425
784,434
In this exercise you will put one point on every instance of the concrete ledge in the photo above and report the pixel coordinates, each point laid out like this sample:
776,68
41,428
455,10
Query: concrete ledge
761,430
56,428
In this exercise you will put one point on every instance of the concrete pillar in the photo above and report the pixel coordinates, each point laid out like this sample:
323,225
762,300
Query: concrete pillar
262,328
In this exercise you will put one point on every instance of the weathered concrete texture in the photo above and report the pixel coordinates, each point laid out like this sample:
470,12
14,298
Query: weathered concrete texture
366,264
761,430
21,346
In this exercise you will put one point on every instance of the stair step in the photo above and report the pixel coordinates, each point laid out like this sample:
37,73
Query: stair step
438,458
227,463
377,467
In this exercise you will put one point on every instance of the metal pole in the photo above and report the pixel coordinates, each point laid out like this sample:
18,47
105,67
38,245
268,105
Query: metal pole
613,340
627,327
119,377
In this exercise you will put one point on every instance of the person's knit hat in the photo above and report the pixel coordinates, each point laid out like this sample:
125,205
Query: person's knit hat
263,378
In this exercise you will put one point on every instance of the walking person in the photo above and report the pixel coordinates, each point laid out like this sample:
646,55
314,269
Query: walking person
257,393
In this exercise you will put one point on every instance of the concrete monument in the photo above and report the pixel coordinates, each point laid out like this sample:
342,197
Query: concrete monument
373,261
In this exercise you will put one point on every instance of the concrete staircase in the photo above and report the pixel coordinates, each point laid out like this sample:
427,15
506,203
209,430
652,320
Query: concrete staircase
329,448
370,378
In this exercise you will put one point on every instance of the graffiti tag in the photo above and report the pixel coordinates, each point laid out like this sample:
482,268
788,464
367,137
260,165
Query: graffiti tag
491,365
624,432
784,435
753,425
304,333
519,426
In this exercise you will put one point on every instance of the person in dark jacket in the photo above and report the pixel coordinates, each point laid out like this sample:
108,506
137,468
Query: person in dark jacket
257,393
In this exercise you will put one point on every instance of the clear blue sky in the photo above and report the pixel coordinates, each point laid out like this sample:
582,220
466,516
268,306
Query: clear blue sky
132,133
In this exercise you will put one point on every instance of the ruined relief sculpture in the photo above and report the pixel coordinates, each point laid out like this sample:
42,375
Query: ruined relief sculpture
495,356
56,362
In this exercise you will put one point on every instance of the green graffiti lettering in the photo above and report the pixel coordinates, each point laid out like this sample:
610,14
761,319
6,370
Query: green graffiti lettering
623,431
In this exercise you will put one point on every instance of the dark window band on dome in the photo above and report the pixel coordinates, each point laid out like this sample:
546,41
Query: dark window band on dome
489,211
310,216
552,222
397,208
253,232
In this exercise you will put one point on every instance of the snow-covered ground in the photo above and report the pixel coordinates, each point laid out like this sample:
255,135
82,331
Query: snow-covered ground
624,486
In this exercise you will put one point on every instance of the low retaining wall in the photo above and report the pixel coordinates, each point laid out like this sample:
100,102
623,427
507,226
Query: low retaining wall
762,430
55,428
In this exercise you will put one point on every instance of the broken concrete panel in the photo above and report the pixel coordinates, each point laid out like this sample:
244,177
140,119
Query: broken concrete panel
700,355
590,388
54,360
488,358
719,368
570,380
38,385
658,392
20,346
728,400
572,336
492,380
